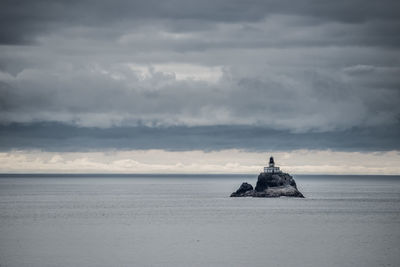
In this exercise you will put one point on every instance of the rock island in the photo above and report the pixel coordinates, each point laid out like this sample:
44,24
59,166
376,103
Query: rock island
271,183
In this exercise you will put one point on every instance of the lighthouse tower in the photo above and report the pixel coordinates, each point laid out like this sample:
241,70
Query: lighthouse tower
271,167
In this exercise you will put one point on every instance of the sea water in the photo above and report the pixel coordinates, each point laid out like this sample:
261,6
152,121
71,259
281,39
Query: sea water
104,220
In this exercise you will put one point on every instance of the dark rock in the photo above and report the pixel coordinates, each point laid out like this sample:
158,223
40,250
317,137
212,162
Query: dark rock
270,185
266,180
279,191
244,190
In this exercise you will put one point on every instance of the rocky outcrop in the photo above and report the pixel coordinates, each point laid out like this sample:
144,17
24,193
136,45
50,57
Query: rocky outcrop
270,185
244,190
279,191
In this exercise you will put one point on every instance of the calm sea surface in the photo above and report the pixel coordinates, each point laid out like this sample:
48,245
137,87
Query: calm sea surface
191,221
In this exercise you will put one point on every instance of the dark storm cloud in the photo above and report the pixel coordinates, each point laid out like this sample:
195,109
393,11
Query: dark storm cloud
301,74
61,138
21,21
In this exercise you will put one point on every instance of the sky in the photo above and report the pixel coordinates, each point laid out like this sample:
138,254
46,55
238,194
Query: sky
183,86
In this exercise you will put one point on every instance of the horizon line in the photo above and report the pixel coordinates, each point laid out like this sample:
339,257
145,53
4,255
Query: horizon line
2,174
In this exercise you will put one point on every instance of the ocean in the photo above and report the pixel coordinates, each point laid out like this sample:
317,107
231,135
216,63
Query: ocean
190,220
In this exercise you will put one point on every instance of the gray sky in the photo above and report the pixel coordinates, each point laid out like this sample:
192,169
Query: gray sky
200,75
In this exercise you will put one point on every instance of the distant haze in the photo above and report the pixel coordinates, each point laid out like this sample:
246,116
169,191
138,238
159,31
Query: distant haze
200,77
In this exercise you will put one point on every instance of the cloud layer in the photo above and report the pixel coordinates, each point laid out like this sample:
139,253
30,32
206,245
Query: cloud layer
264,72
61,137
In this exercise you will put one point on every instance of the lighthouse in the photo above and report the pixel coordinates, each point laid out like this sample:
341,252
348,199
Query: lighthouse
271,167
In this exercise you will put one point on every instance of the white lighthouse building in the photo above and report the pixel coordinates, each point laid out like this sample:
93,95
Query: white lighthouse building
271,167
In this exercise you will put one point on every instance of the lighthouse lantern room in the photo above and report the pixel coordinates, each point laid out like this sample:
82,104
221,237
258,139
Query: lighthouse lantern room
271,167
